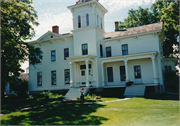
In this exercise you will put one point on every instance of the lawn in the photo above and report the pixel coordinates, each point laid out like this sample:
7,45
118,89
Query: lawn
135,111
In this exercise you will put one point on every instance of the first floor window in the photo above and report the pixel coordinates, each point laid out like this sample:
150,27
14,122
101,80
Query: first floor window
137,72
110,74
53,77
168,68
125,49
67,76
66,53
84,49
122,73
108,51
53,56
39,79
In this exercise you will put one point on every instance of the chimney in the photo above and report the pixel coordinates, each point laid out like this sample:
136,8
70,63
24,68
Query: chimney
55,29
116,26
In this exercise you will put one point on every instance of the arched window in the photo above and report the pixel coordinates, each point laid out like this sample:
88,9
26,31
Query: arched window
79,21
97,20
101,24
87,19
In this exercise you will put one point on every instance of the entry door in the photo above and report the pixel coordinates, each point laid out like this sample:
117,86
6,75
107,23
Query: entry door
137,74
83,77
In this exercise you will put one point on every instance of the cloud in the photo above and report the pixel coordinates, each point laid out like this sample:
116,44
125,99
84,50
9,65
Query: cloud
115,5
47,20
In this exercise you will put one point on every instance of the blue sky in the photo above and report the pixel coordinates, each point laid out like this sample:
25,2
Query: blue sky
55,12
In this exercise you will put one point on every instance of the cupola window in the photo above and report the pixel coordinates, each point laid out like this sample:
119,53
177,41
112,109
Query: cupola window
87,19
101,24
97,20
79,21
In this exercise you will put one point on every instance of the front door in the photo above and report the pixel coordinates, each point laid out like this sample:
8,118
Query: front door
83,74
137,74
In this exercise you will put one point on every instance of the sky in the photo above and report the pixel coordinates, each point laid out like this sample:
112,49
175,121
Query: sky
55,12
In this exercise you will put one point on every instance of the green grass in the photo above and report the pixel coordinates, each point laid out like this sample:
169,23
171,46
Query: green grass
135,111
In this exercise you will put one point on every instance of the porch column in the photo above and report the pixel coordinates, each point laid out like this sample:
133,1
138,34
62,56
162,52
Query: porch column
71,74
126,67
154,69
103,82
87,72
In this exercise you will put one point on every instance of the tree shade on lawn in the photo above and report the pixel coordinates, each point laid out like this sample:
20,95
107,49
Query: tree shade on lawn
136,111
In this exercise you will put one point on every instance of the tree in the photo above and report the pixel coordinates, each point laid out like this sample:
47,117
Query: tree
17,20
165,11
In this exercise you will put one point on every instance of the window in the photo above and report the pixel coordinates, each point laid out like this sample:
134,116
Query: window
137,72
122,73
97,20
66,53
101,24
82,73
53,77
39,79
67,76
84,66
110,74
87,19
101,51
125,49
79,21
168,68
84,49
53,56
108,51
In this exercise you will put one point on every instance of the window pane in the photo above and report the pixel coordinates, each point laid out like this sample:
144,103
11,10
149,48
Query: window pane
39,79
101,51
170,68
84,49
101,23
137,72
108,51
82,73
97,20
53,55
87,19
110,74
66,53
125,49
79,21
67,76
53,77
122,73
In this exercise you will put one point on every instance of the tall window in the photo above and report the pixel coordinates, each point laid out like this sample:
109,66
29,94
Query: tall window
137,72
108,51
101,24
87,19
53,77
79,21
84,49
67,76
110,74
66,53
53,56
39,79
101,51
125,49
122,73
97,20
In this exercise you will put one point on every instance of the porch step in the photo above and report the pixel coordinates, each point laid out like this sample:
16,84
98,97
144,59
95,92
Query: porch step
135,90
73,93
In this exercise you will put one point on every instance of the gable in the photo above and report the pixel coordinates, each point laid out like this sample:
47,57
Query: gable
49,35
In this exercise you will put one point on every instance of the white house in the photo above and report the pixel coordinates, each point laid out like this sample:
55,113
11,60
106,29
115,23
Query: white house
89,57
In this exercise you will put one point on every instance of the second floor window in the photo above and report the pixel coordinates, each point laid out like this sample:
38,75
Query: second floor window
79,21
84,49
108,51
66,53
87,19
53,56
125,49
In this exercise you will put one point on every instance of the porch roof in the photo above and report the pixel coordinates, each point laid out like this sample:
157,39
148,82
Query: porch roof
129,57
81,58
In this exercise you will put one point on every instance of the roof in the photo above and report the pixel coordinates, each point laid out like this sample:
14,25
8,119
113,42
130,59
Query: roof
79,1
135,30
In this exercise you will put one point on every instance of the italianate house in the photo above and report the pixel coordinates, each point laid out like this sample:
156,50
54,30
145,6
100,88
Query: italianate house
92,58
